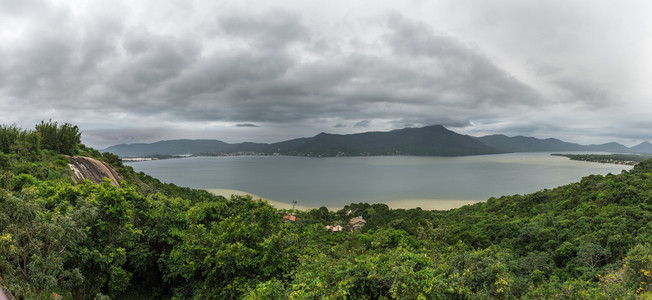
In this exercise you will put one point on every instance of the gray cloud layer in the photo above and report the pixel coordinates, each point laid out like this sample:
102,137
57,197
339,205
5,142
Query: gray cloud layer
196,69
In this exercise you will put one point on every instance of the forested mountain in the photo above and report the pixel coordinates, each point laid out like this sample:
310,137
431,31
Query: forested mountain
645,147
174,147
530,144
431,140
426,141
143,239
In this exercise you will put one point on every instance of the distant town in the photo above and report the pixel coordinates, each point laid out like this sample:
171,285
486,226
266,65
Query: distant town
617,158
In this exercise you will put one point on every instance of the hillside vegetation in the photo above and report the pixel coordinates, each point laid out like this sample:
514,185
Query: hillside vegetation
145,239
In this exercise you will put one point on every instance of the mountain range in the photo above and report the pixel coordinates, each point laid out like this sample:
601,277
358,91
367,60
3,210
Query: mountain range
433,140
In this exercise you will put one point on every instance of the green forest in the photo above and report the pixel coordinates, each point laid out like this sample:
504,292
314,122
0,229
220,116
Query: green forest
61,239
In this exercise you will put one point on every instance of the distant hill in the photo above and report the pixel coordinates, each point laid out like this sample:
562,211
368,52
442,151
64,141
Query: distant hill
645,147
527,144
433,140
609,147
530,144
173,147
427,141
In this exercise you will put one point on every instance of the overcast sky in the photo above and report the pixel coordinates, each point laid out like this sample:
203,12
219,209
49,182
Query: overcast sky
265,71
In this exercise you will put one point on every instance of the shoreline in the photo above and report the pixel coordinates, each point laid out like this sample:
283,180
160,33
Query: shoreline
423,203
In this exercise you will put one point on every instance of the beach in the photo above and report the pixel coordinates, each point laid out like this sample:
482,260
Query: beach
425,204
227,193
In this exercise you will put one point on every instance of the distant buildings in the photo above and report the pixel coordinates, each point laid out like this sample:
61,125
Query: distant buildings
357,223
334,228
289,219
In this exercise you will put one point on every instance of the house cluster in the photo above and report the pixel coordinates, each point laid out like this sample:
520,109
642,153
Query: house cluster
334,228
355,223
289,218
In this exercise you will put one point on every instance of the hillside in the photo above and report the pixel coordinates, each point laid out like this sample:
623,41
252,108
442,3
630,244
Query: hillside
530,144
527,144
146,239
175,147
426,141
645,147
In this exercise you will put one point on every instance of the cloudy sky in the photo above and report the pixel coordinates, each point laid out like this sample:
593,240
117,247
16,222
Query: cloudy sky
265,71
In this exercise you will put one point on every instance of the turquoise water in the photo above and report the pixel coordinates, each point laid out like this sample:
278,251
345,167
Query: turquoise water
412,181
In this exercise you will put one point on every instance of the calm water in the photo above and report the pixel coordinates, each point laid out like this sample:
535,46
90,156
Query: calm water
403,181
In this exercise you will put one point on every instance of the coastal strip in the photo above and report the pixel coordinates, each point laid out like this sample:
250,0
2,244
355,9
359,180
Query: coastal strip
425,203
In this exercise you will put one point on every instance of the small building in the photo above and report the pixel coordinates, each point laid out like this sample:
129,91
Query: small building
334,228
357,223
289,219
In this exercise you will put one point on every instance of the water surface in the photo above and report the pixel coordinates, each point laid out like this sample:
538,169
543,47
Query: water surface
400,181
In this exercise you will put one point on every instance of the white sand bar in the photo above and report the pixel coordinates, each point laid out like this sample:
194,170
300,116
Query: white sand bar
227,193
425,204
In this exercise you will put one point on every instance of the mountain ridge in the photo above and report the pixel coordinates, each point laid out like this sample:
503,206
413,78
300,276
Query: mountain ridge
433,140
532,144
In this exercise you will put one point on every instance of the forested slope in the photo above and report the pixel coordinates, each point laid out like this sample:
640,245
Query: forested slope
145,239
426,141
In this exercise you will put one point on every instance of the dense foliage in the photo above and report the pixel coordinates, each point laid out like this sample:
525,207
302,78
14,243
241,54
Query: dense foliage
146,239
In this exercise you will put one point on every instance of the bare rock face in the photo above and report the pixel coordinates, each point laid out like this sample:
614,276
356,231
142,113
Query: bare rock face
89,168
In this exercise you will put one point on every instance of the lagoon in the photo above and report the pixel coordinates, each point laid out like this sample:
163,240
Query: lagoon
399,181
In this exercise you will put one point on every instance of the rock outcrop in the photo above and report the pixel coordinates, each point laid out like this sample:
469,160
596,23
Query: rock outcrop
89,168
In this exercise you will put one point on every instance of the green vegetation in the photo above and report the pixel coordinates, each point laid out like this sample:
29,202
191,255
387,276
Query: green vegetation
146,239
623,159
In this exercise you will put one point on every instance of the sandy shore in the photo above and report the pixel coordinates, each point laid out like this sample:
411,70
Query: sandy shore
425,204
279,205
429,204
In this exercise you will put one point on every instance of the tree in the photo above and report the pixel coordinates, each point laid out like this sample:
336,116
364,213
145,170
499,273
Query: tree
68,138
64,139
34,243
8,135
591,255
102,255
224,249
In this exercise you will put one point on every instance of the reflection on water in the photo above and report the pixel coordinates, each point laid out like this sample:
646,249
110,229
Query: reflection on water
401,181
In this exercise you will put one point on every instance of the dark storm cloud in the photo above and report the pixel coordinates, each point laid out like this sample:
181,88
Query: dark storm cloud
269,31
151,60
55,59
468,77
426,79
246,125
362,124
583,91
429,79
201,64
229,72
109,137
